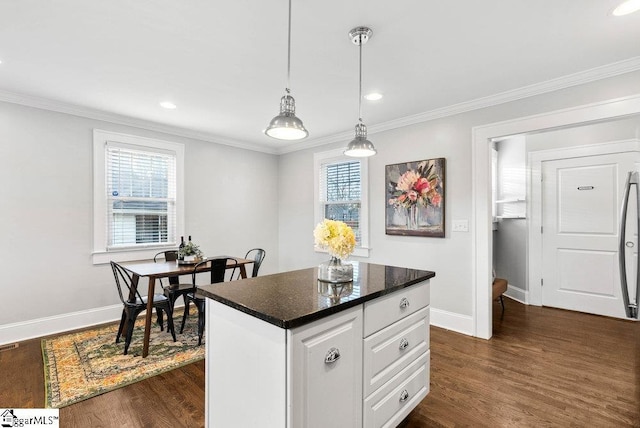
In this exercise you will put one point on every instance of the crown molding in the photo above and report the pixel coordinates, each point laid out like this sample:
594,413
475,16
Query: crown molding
580,78
90,113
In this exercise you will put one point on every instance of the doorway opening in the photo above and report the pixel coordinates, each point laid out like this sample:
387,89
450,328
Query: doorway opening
482,215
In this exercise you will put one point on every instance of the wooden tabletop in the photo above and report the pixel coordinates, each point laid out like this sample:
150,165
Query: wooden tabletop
165,269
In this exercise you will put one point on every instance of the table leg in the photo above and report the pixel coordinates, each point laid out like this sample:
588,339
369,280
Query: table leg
243,271
147,320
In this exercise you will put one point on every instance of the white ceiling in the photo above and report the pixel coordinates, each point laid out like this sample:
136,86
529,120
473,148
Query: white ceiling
224,62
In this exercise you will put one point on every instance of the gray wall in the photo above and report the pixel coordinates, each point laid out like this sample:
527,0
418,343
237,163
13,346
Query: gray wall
235,199
597,133
449,137
47,204
510,235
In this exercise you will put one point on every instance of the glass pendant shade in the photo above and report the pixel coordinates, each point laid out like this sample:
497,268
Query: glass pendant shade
360,147
286,126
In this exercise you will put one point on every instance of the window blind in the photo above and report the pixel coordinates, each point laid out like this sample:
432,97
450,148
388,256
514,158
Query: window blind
141,197
340,194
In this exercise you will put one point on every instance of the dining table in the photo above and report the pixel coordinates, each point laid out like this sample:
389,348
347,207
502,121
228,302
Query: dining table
165,269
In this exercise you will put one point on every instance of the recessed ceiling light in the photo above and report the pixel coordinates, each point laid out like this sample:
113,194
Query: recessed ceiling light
373,96
168,105
626,8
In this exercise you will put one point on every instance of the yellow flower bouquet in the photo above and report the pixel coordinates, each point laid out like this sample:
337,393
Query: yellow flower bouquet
336,237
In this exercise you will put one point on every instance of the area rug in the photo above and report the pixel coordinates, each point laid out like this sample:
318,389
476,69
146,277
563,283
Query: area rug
84,364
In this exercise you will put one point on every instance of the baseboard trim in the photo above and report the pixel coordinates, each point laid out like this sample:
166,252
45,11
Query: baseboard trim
452,321
31,329
25,330
517,294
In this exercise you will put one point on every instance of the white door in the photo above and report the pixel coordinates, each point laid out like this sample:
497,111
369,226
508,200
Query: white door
581,200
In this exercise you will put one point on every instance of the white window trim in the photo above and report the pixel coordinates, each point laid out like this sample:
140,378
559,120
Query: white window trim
337,155
100,255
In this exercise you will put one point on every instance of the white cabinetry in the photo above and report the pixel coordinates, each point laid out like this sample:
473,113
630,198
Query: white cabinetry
326,372
396,355
366,366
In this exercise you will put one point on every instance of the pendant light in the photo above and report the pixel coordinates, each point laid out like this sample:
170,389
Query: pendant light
286,126
360,146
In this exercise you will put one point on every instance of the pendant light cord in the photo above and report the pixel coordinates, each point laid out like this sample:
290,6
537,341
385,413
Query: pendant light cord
289,52
360,82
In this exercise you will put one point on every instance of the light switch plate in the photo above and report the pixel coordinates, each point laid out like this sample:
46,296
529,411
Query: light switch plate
460,225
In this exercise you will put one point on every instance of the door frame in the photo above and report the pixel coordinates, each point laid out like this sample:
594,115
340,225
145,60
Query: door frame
481,219
534,194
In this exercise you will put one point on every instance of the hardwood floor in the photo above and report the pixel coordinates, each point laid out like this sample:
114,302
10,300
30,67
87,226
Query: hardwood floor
543,368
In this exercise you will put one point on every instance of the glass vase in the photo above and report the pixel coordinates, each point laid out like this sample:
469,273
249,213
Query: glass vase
335,272
412,217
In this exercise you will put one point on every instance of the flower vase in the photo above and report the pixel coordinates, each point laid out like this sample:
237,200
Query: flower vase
412,217
335,272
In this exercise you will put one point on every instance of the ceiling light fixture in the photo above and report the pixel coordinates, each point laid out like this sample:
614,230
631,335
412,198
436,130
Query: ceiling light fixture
360,146
286,126
168,105
373,96
626,8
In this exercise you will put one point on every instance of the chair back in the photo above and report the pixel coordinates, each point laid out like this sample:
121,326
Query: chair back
169,256
123,279
219,266
258,255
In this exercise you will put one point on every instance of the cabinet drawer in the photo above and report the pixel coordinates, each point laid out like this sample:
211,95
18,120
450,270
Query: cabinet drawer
390,350
389,405
382,312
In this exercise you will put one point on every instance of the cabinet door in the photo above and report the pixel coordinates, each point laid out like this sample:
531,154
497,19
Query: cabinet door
325,372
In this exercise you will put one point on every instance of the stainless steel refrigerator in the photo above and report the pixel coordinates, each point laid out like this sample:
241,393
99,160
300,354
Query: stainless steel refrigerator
627,253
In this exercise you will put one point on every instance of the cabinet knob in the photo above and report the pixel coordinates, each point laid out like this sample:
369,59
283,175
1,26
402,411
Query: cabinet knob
404,344
404,303
332,356
404,395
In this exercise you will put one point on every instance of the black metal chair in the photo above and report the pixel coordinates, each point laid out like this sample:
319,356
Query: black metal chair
173,290
258,255
134,303
218,271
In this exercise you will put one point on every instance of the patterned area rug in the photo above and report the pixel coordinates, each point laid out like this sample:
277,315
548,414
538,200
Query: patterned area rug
82,365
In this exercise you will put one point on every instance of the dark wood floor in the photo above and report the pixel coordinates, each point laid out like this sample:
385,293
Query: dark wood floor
543,368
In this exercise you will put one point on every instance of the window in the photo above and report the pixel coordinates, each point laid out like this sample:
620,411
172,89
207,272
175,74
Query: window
137,197
341,194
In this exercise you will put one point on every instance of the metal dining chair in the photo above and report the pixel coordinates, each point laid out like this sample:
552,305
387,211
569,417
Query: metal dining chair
257,255
173,290
218,271
134,303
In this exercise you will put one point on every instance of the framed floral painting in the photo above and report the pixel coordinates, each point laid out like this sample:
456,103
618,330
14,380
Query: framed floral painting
415,198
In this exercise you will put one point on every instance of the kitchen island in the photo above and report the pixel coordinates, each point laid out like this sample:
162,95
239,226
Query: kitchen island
285,350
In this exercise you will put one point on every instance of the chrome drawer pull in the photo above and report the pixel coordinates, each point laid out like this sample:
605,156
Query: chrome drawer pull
332,356
404,344
404,303
404,395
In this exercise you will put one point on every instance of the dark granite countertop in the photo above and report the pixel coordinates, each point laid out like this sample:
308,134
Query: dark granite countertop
292,299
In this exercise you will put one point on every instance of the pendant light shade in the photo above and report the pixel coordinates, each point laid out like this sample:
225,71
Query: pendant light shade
286,126
360,146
